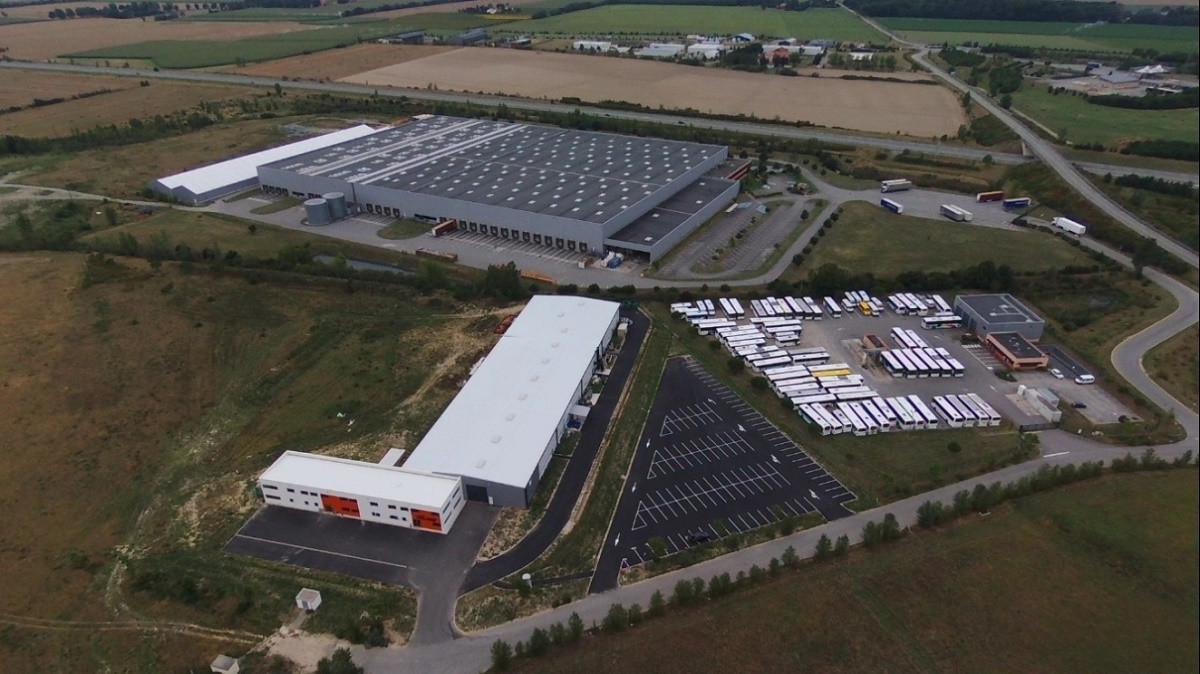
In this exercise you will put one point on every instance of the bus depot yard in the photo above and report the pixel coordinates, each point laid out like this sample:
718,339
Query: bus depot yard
867,369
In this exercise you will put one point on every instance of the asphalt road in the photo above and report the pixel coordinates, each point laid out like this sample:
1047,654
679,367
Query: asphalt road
777,130
1045,151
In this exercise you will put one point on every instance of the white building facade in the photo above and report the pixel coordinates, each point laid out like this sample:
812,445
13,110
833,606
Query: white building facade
366,491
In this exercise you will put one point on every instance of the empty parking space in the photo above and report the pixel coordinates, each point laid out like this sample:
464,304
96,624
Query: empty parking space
538,250
983,356
709,466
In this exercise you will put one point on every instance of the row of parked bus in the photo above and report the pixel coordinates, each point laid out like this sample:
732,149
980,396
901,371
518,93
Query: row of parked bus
921,363
870,416
964,411
909,304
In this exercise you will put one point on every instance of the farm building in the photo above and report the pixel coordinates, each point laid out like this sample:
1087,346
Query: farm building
985,314
371,492
592,45
212,182
574,190
500,431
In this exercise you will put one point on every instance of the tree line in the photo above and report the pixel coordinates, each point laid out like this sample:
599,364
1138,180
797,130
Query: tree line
1151,184
1065,11
1188,98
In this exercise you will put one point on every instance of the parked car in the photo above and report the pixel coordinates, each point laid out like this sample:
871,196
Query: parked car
1079,406
1056,372
699,537
1085,379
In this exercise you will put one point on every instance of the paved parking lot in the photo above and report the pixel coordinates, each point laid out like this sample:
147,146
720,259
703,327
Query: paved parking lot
1100,407
361,549
709,465
523,247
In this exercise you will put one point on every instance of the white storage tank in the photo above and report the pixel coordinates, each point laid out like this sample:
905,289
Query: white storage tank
337,205
317,211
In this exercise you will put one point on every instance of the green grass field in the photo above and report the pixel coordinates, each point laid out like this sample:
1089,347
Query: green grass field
206,53
1176,366
679,20
1088,123
1096,577
1106,37
867,238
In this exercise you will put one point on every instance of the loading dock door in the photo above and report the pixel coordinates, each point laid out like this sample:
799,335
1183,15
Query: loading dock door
475,493
340,505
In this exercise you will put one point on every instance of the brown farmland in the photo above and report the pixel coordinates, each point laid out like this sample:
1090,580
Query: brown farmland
117,107
47,39
338,63
880,107
21,87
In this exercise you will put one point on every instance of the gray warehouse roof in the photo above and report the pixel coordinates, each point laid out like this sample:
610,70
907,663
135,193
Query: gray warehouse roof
1000,308
673,212
1016,344
574,174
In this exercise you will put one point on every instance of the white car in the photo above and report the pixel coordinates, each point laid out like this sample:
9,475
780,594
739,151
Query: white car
1056,372
1085,379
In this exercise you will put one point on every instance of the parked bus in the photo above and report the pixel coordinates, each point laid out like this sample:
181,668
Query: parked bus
931,420
832,306
969,420
897,185
941,322
941,305
952,416
992,414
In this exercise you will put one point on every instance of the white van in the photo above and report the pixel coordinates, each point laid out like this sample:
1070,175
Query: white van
1085,379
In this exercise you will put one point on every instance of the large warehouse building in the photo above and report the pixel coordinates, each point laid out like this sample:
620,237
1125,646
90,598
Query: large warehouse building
209,183
574,190
985,314
501,429
491,444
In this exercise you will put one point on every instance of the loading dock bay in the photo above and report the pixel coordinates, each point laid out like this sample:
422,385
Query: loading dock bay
709,464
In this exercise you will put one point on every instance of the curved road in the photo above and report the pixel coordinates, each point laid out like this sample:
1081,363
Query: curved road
1043,150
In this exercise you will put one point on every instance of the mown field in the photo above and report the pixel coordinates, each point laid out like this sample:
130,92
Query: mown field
866,238
1078,121
331,12
1175,365
1050,35
615,20
1096,577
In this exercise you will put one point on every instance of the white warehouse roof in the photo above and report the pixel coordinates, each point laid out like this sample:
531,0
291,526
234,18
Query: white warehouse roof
230,172
499,424
359,478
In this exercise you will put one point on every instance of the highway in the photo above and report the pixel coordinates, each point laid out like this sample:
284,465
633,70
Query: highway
1044,150
758,129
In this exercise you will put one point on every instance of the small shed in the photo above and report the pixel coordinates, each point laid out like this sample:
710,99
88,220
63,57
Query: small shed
308,600
223,664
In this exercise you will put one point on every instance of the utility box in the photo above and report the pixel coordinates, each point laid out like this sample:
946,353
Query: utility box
308,600
223,664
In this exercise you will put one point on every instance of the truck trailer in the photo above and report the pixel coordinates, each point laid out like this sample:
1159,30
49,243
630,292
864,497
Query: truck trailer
892,206
985,197
1069,226
1017,202
897,185
955,213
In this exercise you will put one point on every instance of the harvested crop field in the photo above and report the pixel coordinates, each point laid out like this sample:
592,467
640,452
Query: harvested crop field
22,87
339,63
882,107
47,39
117,107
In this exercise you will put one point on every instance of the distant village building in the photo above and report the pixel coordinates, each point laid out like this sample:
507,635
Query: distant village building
592,45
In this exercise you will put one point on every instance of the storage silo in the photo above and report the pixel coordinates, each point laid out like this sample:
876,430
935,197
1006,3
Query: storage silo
317,211
337,205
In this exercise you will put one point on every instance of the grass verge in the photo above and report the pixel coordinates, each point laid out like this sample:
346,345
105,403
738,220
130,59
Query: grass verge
1175,365
996,594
